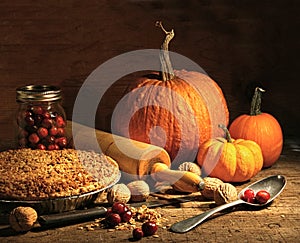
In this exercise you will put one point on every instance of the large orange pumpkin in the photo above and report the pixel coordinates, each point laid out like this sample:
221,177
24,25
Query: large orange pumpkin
230,160
260,127
177,110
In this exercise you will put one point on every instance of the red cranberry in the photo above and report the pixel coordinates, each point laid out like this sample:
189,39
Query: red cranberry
113,219
47,123
60,132
61,142
249,196
33,138
50,139
46,114
262,196
53,131
149,228
27,113
38,119
137,233
53,147
126,216
118,208
60,122
108,212
29,120
41,146
42,132
37,110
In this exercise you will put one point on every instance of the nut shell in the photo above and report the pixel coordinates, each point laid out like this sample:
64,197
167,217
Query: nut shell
118,193
191,167
22,219
139,190
225,193
211,185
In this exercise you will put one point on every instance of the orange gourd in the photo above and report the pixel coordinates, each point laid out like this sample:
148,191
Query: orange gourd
228,159
174,109
260,127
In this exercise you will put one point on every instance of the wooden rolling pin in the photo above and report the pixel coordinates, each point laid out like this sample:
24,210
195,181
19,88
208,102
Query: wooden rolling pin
138,160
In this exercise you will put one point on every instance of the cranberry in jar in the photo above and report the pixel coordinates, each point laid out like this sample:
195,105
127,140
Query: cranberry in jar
41,120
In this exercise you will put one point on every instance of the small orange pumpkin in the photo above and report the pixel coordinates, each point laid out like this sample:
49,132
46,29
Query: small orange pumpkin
228,159
174,109
260,127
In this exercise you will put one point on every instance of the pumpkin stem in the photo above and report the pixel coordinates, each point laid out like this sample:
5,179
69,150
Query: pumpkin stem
166,66
226,131
256,102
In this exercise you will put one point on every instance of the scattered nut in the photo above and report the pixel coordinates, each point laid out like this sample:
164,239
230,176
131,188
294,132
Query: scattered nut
118,193
191,167
139,190
22,219
225,193
211,185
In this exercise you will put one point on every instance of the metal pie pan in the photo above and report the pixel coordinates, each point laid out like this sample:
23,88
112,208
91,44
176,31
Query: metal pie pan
56,205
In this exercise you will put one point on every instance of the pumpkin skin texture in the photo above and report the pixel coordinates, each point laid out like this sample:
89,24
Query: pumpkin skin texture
174,109
230,160
173,114
262,128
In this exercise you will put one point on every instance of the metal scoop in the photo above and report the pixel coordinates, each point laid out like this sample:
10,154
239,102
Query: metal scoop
273,184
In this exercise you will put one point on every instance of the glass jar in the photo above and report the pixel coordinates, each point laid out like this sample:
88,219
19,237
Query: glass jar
41,120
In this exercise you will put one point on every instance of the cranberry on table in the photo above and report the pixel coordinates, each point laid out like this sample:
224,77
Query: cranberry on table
119,208
137,233
126,216
113,219
149,228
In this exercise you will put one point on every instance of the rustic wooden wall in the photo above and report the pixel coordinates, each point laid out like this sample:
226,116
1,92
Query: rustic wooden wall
238,43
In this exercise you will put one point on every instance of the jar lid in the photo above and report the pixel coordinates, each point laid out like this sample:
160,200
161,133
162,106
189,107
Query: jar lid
38,93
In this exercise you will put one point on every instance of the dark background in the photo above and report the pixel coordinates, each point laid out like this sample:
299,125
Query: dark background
240,44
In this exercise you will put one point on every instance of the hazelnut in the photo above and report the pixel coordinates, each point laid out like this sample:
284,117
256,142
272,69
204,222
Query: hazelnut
118,193
225,193
22,219
191,167
211,185
139,190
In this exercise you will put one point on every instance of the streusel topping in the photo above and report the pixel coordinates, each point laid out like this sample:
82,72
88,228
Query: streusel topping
27,174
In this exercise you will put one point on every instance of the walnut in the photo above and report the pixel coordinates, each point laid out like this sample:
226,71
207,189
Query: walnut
225,193
118,193
211,185
22,219
139,189
191,167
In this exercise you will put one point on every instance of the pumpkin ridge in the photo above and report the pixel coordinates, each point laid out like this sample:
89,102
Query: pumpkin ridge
245,160
231,167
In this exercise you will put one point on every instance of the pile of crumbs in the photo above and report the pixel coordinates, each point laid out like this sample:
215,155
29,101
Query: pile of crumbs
140,215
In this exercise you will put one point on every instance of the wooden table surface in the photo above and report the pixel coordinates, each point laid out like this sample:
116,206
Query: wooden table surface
279,222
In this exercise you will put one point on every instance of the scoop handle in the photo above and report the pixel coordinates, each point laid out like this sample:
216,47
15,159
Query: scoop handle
190,223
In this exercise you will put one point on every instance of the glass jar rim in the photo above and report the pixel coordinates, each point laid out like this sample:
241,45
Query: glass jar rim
41,93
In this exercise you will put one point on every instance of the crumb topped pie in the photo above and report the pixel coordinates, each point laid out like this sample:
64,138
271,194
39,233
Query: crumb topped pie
27,174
